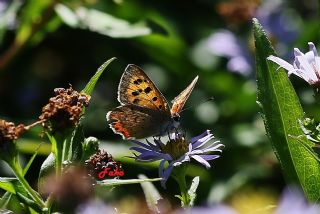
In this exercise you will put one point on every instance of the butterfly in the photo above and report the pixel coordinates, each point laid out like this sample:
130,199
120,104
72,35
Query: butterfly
144,111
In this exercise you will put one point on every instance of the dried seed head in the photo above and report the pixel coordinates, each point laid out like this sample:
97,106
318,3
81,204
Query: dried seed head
99,161
8,134
64,109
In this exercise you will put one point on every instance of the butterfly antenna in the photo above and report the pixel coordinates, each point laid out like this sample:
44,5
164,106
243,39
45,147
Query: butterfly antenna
204,101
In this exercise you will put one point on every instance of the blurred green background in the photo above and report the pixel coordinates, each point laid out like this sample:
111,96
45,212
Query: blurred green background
48,44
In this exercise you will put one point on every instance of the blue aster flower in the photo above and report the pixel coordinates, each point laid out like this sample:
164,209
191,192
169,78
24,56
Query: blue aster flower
177,151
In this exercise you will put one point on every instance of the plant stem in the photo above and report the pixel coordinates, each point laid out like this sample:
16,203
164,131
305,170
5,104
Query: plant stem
180,177
19,173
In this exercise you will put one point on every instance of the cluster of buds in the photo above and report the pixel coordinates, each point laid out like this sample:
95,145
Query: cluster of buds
63,110
101,165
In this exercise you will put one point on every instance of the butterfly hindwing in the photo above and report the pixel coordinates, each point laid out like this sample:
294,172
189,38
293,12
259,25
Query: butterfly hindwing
180,100
136,88
132,121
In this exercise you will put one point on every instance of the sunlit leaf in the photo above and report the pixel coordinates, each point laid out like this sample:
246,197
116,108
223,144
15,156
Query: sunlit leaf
281,111
192,191
101,22
7,184
93,81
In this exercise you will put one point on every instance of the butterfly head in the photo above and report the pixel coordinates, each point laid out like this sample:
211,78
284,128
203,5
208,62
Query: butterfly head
176,120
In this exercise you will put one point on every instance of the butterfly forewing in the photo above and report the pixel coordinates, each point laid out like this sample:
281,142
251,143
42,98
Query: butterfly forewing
136,88
180,100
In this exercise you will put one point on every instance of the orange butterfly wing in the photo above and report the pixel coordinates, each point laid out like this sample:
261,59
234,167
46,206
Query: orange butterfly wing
132,121
137,88
180,100
144,111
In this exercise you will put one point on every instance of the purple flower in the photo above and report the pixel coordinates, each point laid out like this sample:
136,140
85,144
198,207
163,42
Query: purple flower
293,202
275,19
178,151
305,66
225,43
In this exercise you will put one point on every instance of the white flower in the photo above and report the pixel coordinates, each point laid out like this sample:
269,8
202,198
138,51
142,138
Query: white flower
305,66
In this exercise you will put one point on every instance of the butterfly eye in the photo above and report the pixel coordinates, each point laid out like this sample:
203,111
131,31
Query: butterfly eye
176,118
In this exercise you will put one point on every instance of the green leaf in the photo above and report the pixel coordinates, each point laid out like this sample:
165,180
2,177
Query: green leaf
13,185
75,147
26,168
101,22
7,184
5,211
46,168
192,192
26,200
92,82
281,110
33,14
117,182
151,193
5,199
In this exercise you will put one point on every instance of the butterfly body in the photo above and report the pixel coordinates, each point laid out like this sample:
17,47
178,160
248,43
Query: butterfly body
144,111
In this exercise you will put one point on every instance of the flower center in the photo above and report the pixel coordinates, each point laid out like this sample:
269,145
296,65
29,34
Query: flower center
176,147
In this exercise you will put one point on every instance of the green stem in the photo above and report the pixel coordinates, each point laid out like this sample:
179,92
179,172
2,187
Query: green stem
49,201
19,173
58,161
180,177
57,147
316,91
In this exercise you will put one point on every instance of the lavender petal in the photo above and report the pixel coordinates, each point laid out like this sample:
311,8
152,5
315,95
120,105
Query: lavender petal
201,160
282,63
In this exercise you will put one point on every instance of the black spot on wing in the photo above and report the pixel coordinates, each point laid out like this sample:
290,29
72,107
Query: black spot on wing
147,90
135,93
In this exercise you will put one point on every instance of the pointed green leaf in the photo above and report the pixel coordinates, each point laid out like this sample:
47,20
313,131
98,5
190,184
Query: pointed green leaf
5,199
101,22
75,147
46,168
151,193
281,110
26,168
192,192
13,185
92,82
7,184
